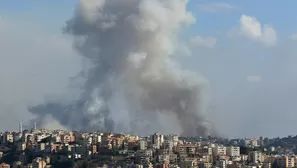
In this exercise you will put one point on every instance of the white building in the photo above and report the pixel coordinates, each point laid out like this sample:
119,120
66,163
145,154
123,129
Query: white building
233,151
142,144
255,157
169,145
174,139
7,138
157,140
21,147
165,159
272,149
96,138
41,146
254,142
39,137
205,150
286,161
57,138
247,142
219,150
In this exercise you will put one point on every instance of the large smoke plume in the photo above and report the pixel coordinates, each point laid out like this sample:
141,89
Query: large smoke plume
133,82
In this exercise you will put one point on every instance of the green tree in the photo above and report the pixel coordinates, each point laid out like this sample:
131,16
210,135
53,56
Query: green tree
64,164
245,150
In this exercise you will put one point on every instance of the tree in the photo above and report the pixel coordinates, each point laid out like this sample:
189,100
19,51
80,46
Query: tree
245,150
64,164
135,148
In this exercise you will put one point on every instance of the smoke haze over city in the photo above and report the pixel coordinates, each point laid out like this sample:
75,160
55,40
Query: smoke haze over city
133,84
143,66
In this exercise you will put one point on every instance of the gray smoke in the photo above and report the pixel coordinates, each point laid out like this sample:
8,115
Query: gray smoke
133,84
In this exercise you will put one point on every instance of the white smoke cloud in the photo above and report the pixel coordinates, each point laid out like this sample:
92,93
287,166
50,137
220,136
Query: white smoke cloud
51,123
254,79
35,64
129,44
294,36
251,28
207,42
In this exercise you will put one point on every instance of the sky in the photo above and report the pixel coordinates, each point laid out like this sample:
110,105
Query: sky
246,49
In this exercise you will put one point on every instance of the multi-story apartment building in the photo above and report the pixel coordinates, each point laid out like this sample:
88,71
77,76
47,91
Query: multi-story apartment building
286,161
165,159
233,151
157,140
219,150
7,138
255,157
185,149
205,150
142,144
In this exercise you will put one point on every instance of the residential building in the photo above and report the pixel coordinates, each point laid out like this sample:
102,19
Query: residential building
233,151
286,161
219,150
255,157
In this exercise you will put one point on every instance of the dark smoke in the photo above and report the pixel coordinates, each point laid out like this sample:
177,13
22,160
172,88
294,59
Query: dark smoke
133,85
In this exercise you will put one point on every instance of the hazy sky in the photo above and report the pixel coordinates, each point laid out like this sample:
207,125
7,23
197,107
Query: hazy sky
246,49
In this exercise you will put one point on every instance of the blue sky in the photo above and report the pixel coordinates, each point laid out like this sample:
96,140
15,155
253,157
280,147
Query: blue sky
252,76
279,14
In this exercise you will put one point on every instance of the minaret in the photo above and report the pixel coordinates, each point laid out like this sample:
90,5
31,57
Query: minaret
21,127
34,126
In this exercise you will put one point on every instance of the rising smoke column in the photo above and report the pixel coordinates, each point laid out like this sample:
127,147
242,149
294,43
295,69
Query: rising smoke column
130,44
